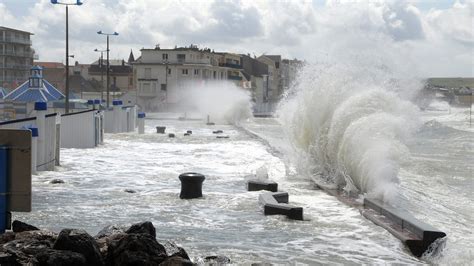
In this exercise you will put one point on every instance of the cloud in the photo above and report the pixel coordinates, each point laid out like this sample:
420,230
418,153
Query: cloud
439,39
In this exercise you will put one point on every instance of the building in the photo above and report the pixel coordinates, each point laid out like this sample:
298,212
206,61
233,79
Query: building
54,72
289,72
35,89
161,75
3,92
16,56
257,73
120,74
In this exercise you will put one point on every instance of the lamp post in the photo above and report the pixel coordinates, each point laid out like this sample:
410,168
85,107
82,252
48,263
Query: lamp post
101,65
108,87
77,3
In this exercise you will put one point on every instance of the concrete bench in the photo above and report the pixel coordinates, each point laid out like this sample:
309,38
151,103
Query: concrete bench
417,235
256,185
277,203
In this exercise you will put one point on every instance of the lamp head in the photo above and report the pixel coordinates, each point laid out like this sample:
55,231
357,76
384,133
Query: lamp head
116,33
78,2
54,1
99,32
95,50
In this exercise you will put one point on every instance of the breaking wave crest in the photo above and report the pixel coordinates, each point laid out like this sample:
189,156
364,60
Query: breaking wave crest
349,125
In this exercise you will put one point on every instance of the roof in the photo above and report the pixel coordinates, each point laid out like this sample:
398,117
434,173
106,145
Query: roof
5,28
25,93
50,64
3,92
112,62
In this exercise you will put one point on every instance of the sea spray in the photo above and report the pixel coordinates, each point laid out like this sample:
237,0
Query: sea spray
223,101
349,124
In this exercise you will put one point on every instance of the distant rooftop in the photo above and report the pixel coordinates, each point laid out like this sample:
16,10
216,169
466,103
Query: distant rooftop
10,29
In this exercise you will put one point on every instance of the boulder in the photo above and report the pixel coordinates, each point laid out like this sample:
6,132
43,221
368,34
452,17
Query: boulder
7,259
142,228
56,181
173,250
134,249
129,190
216,260
176,260
24,250
81,242
110,230
19,226
50,257
6,237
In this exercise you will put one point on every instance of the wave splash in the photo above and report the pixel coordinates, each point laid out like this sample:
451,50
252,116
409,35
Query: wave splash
349,124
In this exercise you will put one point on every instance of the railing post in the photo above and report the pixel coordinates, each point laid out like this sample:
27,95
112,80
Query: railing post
34,147
141,123
3,188
41,108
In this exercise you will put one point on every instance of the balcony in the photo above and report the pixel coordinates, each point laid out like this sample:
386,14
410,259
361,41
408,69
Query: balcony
15,66
236,66
232,77
15,40
17,53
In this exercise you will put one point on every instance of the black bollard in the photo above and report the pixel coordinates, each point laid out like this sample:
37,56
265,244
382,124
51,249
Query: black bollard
189,132
160,130
191,185
171,135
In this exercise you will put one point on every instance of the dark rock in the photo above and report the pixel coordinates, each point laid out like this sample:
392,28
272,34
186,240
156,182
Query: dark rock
56,181
7,259
189,132
173,250
217,132
40,235
19,226
135,249
6,237
24,250
176,260
110,230
60,258
142,228
171,135
222,137
129,190
216,260
81,242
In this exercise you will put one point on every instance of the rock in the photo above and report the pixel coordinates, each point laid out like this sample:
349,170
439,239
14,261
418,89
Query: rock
189,132
40,235
135,249
171,135
129,190
81,242
60,258
19,226
56,181
216,260
222,137
173,250
142,228
6,237
7,259
109,230
24,250
217,132
176,260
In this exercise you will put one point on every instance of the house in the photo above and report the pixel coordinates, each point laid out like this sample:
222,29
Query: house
16,56
54,72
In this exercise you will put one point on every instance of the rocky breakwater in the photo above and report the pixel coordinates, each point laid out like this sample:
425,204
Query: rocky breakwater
113,245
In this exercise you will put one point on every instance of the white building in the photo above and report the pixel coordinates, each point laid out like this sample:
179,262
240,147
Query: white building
161,75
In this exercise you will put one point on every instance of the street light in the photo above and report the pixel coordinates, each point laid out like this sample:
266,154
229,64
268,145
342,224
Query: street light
101,65
78,3
107,34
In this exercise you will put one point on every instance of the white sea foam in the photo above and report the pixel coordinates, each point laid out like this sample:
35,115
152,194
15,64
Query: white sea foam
350,122
223,101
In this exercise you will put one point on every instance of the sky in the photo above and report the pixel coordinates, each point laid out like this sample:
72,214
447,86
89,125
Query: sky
436,36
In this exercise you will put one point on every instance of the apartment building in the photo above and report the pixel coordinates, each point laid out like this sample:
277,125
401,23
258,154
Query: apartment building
162,75
16,57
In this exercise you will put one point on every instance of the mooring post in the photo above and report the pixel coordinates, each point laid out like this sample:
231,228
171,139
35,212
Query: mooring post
3,188
141,123
34,147
191,185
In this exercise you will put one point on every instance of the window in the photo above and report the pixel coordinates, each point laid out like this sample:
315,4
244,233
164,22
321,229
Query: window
185,71
130,81
196,72
148,73
215,74
277,65
222,75
181,58
165,56
163,87
146,87
169,71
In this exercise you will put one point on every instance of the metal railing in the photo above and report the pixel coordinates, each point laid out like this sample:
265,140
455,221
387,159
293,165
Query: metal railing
16,40
17,53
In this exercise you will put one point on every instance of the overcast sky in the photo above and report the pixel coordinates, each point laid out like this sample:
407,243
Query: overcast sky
437,36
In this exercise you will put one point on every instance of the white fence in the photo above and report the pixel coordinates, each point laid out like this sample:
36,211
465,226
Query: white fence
120,119
47,156
82,129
